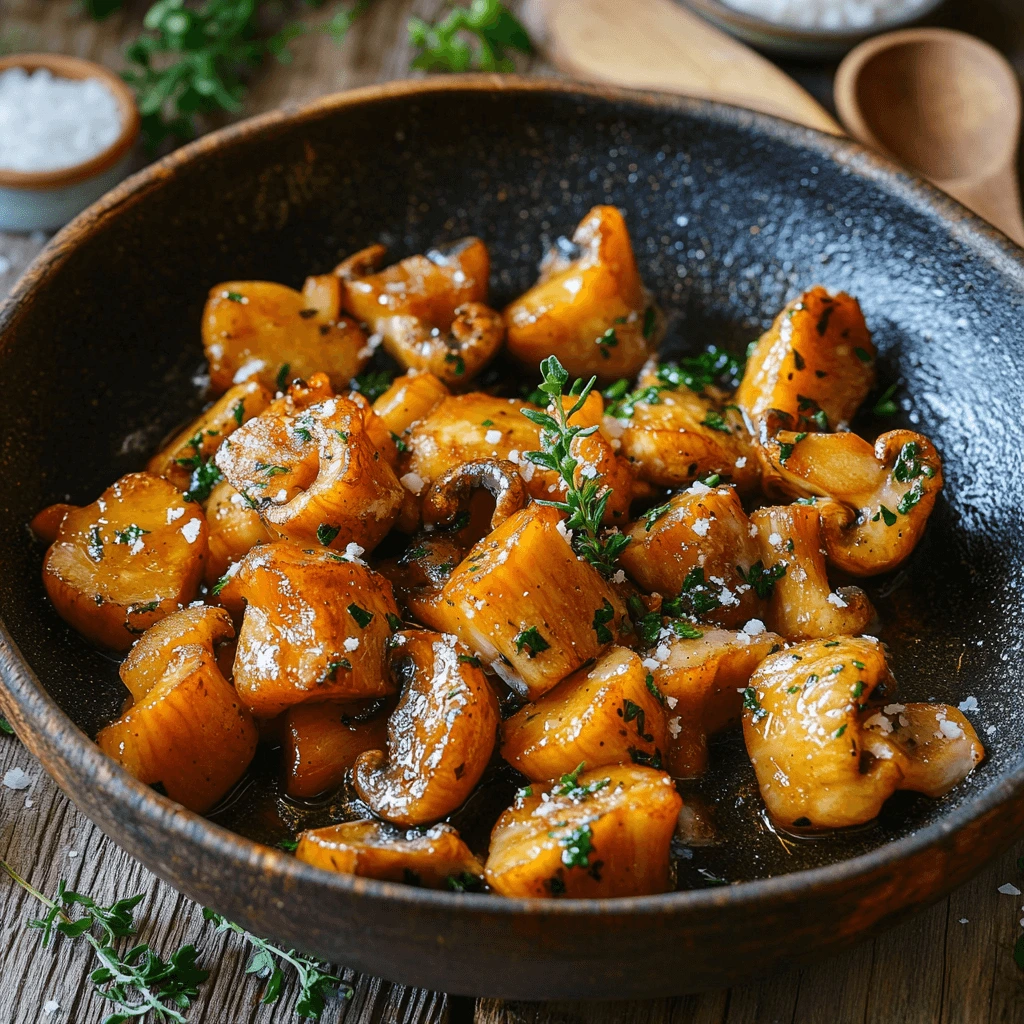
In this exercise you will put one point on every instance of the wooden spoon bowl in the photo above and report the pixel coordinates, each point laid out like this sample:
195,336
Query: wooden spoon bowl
944,104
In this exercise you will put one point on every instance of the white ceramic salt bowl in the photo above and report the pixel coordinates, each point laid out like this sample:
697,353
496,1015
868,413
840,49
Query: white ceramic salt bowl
47,200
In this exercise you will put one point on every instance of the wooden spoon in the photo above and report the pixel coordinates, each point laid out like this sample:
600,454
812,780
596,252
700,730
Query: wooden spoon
947,106
656,44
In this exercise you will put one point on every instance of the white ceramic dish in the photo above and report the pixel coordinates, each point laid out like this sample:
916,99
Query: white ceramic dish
794,42
47,200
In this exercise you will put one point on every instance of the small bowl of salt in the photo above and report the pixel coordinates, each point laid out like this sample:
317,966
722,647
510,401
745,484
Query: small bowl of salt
67,129
811,28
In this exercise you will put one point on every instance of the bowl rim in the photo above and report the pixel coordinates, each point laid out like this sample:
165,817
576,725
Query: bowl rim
44,725
65,66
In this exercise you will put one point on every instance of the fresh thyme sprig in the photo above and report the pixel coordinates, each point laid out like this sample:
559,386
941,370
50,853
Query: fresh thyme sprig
314,983
584,503
138,982
492,26
5,726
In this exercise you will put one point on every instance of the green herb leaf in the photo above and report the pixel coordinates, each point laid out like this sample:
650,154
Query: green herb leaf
602,617
5,726
325,533
751,703
532,641
372,384
361,615
130,535
715,422
886,405
493,29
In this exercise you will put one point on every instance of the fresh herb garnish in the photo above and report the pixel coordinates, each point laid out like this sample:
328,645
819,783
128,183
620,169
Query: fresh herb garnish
454,359
205,476
908,463
696,598
886,405
315,984
888,516
372,384
325,533
239,412
751,703
652,515
469,659
569,784
136,982
5,726
862,354
361,615
910,499
288,845
281,380
602,617
762,580
715,422
785,450
685,630
465,881
633,712
699,372
584,505
606,341
130,535
95,546
530,639
492,27
577,847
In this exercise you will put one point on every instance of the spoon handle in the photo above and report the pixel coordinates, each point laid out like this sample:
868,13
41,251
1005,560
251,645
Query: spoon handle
656,44
996,198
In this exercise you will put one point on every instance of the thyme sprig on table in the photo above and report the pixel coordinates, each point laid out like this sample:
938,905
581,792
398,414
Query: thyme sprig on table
315,984
138,982
585,502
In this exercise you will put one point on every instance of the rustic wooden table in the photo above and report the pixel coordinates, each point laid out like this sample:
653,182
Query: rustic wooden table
949,965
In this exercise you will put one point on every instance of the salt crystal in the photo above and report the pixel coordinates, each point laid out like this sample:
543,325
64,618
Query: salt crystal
701,527
492,436
412,482
50,1007
754,627
351,643
831,15
970,704
619,576
354,553
190,531
17,778
963,920
1009,889
29,802
47,122
836,600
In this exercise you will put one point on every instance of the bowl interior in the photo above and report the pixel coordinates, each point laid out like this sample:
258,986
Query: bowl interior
730,215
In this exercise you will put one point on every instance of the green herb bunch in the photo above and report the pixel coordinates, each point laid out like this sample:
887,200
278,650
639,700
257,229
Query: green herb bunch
137,982
315,984
584,503
493,28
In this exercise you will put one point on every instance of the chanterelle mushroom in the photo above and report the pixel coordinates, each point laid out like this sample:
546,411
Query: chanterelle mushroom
440,736
829,746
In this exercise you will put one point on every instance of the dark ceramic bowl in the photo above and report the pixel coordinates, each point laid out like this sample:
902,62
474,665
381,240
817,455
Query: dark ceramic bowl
731,213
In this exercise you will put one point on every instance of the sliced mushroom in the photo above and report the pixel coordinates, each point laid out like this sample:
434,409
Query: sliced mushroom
826,744
699,676
411,398
874,501
315,627
310,467
129,559
817,355
589,305
792,575
698,548
451,491
605,714
675,437
186,460
524,601
435,858
186,730
429,309
257,330
440,736
602,833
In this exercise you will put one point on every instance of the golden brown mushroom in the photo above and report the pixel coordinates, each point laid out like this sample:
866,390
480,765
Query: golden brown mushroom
235,529
698,676
874,501
322,741
698,547
817,355
186,729
827,746
599,834
605,714
792,573
309,466
316,627
257,330
527,605
133,556
429,309
589,306
440,736
435,859
187,459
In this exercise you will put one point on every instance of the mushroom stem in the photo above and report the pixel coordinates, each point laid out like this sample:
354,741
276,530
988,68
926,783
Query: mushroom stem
453,488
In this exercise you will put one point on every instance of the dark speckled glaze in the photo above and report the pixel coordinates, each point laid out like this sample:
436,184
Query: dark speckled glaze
731,214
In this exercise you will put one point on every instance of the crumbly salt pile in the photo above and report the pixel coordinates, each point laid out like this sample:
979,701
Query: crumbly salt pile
831,15
47,122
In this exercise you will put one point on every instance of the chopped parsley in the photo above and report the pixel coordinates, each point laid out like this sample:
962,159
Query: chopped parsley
751,703
887,515
220,584
455,360
234,297
239,412
652,686
361,615
569,784
469,659
685,630
393,621
908,464
288,845
524,792
652,515
762,580
886,406
465,881
373,383
911,498
785,450
715,422
130,535
862,354
532,641
282,376
577,847
602,617
205,476
858,688
325,533
399,443
641,757
269,470
633,712
606,341
696,598
839,732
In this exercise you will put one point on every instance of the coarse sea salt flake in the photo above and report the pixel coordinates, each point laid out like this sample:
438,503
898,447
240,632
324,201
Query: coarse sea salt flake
701,527
351,643
17,779
1008,889
174,514
412,482
836,600
970,704
50,1007
190,531
492,436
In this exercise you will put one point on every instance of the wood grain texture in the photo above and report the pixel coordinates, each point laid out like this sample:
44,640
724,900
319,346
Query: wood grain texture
931,970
